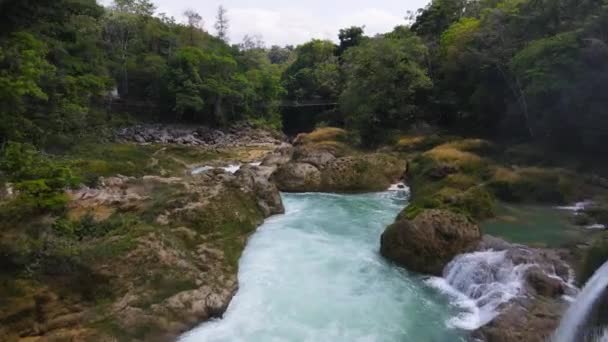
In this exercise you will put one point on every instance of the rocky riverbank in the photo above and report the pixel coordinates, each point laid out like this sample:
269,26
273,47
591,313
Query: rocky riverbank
518,291
139,258
241,134
148,255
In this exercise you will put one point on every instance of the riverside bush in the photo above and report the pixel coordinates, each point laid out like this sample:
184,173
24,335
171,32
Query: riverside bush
38,180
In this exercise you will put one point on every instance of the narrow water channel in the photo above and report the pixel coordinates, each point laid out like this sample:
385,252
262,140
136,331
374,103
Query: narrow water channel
315,274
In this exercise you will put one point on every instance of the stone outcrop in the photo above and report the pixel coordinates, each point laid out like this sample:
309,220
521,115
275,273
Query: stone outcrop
429,242
318,168
298,177
238,135
173,267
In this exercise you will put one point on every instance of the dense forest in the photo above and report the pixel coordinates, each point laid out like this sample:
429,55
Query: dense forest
517,70
525,69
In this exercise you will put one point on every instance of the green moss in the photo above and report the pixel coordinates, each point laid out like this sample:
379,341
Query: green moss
164,283
451,179
373,172
227,219
532,185
91,161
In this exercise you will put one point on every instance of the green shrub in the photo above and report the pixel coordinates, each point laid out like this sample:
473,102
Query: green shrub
88,227
38,180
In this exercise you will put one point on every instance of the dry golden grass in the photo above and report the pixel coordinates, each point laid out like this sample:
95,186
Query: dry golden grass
449,154
468,144
461,181
502,174
326,134
409,141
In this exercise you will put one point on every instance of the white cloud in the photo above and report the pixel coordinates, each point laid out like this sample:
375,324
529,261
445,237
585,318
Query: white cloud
293,26
294,22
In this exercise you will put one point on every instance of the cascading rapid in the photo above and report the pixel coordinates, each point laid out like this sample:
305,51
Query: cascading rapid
479,283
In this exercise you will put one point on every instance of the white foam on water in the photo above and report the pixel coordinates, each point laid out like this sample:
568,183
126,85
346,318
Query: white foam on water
202,169
232,168
399,190
315,274
596,226
578,206
480,283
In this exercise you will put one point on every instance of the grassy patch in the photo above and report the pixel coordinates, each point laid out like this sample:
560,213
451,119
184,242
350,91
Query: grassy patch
532,185
91,161
451,176
411,143
326,134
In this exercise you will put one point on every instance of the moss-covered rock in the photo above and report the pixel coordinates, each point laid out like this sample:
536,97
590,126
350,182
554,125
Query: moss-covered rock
297,177
372,172
158,258
430,241
448,178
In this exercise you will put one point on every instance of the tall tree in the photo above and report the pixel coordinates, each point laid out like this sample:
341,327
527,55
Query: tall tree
384,79
350,37
194,22
222,23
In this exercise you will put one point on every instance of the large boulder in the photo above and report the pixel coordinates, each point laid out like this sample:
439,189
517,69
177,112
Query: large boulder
314,156
297,177
429,242
372,172
255,180
280,156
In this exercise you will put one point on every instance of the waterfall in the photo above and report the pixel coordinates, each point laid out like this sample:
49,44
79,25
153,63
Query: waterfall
480,282
569,329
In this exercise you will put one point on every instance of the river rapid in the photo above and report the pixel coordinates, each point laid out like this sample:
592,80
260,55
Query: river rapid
315,274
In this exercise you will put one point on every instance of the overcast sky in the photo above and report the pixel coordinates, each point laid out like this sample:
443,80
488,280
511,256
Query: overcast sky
293,22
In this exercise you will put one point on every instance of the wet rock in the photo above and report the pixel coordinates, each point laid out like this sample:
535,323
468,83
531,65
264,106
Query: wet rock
523,320
256,180
429,242
543,284
297,177
534,314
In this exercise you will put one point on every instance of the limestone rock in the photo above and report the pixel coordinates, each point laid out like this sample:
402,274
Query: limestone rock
317,157
297,177
429,242
373,172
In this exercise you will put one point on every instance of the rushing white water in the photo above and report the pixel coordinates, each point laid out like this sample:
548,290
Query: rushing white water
575,318
315,274
578,206
479,283
232,168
